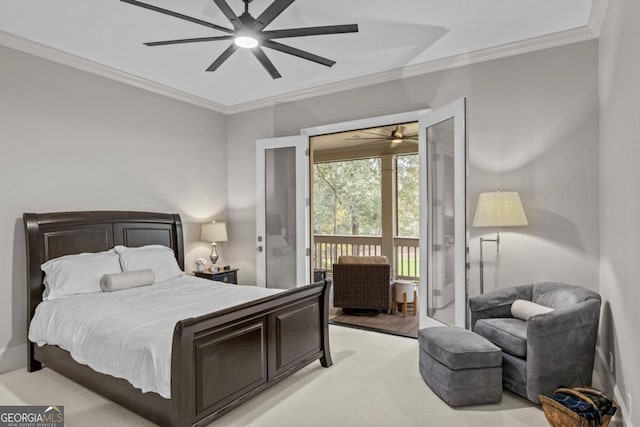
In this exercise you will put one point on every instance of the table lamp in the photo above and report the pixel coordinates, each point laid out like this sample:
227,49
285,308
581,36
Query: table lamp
214,232
497,209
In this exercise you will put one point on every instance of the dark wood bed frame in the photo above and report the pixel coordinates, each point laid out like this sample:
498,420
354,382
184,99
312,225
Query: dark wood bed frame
219,360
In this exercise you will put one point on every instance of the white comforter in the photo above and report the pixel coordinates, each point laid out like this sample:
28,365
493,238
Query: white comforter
128,334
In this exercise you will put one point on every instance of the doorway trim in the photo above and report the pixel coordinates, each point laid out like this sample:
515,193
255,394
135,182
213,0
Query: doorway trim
391,119
351,125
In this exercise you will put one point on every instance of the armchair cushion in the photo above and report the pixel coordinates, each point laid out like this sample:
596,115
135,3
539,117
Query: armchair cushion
552,295
507,333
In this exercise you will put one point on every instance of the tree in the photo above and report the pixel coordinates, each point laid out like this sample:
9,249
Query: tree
408,198
347,197
348,200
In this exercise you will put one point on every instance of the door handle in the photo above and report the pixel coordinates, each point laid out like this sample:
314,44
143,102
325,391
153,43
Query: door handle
259,249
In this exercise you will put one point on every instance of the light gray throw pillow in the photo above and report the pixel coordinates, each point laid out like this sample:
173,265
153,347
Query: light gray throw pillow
127,280
523,309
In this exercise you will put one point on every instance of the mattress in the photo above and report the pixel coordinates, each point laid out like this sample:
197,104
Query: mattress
128,334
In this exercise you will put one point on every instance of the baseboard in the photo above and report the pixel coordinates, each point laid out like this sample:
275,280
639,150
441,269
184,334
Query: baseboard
12,358
610,383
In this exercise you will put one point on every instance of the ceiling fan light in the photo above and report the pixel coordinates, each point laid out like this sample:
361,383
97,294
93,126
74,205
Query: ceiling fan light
245,41
396,140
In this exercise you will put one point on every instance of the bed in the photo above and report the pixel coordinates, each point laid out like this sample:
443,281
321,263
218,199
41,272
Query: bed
218,360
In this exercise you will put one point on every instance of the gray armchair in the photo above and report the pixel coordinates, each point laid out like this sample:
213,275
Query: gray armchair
548,350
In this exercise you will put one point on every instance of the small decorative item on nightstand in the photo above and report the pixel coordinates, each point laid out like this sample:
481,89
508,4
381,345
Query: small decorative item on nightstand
201,263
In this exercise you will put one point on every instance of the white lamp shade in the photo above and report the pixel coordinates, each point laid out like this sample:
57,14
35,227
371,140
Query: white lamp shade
214,232
499,209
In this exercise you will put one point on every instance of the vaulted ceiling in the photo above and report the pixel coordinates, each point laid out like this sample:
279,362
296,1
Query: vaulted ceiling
393,36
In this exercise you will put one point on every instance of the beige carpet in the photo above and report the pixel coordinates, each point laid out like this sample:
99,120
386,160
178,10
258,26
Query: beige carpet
374,382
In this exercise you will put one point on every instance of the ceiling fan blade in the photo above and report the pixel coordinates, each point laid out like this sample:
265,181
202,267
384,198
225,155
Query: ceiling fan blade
381,135
258,52
271,13
311,31
196,40
297,52
381,138
178,15
223,57
374,141
229,13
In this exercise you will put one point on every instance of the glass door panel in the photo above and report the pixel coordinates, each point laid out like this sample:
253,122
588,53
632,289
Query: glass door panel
443,173
282,212
440,289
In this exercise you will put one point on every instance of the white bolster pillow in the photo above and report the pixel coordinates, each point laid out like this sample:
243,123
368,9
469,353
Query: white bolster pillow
126,280
523,309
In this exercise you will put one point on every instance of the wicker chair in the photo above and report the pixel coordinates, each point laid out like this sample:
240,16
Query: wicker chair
362,282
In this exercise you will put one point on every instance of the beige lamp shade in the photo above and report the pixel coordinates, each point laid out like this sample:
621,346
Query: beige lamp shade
499,209
214,232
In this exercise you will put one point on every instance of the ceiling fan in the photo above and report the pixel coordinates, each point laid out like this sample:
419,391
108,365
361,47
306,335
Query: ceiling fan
395,137
249,33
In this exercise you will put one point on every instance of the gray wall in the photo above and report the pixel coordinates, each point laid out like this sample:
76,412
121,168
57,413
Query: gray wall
620,200
70,140
533,127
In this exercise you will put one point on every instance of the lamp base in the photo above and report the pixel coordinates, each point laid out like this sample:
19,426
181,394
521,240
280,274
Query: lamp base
482,240
214,254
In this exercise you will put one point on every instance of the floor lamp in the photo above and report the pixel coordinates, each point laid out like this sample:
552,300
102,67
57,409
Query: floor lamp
497,209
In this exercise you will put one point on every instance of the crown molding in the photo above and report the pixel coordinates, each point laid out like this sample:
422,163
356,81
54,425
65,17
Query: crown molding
598,14
55,55
576,35
548,41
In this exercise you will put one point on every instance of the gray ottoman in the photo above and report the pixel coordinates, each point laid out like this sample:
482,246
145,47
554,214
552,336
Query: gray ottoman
460,366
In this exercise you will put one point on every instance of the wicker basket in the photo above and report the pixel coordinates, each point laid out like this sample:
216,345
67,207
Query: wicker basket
559,415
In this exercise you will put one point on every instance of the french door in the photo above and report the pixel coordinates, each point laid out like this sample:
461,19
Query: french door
283,224
443,215
282,212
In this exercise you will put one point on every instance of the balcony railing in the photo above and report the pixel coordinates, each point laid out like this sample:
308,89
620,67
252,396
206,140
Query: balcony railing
328,248
407,257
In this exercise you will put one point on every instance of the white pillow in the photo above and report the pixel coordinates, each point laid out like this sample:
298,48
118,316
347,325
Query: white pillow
523,309
158,258
77,274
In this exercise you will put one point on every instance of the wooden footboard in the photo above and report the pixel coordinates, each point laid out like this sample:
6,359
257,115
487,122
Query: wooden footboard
223,359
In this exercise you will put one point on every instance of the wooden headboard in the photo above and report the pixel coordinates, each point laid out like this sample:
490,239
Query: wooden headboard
52,235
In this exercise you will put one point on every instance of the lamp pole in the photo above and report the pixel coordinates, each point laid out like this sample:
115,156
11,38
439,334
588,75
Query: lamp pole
482,240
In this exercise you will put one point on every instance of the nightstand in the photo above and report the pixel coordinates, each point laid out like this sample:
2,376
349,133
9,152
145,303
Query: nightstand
226,276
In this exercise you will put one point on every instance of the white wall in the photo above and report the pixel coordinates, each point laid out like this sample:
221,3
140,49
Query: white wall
533,123
246,129
70,140
620,200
